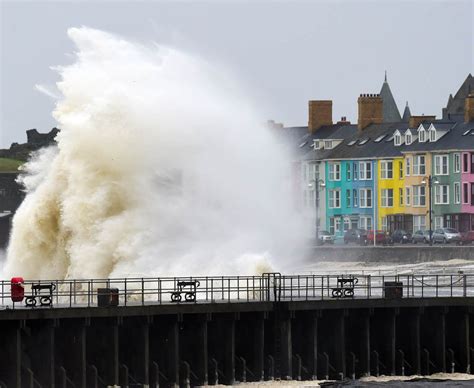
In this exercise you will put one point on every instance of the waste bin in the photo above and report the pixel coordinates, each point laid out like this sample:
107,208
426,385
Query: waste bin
107,297
17,289
393,290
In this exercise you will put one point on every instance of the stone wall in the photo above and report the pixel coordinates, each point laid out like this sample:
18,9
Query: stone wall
395,254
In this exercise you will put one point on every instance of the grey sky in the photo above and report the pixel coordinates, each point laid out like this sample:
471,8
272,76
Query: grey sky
284,53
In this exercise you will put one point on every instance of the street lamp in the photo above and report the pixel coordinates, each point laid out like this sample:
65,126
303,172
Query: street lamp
430,181
317,185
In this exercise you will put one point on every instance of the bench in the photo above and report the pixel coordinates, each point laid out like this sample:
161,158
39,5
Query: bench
189,295
345,287
45,299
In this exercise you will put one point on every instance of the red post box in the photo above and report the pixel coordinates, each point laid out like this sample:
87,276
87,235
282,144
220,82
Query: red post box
17,289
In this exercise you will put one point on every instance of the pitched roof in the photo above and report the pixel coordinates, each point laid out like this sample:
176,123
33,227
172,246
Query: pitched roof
390,110
455,105
406,114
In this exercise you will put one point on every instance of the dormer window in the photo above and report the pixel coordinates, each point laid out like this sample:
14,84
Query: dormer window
408,138
327,144
421,134
433,134
397,138
317,145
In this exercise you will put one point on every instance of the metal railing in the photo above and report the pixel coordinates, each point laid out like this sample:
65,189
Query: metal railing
269,287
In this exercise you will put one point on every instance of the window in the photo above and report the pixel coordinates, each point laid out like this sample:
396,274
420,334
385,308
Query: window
365,198
317,145
387,197
408,196
352,142
365,171
438,222
328,144
398,139
356,175
419,165
419,223
348,197
457,162
334,171
365,222
457,192
400,170
441,164
465,193
407,165
348,171
355,198
331,225
384,223
363,141
472,163
400,197
441,194
337,224
465,162
421,135
347,224
433,134
472,194
334,199
408,138
386,169
379,139
419,195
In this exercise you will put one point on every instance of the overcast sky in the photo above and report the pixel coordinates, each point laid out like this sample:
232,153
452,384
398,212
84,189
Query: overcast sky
284,52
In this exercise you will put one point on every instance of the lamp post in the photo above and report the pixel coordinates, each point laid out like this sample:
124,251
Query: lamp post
429,180
316,185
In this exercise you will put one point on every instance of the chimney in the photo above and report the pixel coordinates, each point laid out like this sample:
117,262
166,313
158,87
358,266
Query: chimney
469,108
343,121
320,113
370,110
415,121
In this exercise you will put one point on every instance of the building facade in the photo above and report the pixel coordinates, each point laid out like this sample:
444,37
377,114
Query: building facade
376,173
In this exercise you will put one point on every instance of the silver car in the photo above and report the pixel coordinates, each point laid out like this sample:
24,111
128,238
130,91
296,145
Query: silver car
446,235
421,236
325,237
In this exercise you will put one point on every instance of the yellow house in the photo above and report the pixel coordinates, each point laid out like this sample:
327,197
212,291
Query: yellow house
391,194
417,167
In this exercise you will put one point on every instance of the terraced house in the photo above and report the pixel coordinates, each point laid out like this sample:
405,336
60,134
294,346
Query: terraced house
378,173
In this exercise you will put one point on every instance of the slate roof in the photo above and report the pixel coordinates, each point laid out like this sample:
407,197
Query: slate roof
455,105
390,109
452,140
457,135
406,114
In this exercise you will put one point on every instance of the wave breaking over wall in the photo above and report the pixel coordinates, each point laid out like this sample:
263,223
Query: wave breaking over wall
162,168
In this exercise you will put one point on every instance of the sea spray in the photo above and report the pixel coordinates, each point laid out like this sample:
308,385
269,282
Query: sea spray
162,167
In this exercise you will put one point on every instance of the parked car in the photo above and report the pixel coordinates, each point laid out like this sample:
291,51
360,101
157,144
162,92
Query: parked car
446,235
358,236
401,236
467,237
421,236
381,237
324,237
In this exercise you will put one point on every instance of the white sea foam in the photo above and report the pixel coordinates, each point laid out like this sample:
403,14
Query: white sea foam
162,168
